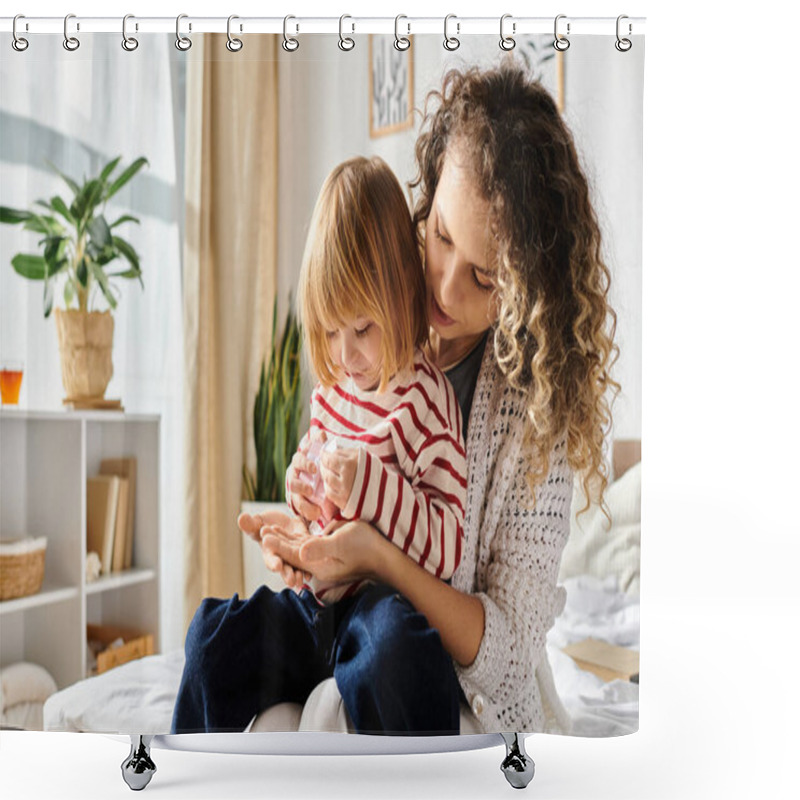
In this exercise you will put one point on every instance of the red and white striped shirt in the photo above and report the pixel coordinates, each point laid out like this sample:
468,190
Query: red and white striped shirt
411,477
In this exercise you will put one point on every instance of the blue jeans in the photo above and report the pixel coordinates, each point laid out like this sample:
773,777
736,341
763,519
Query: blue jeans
243,656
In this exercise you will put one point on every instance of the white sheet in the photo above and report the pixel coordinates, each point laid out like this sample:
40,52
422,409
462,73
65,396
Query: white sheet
596,609
139,696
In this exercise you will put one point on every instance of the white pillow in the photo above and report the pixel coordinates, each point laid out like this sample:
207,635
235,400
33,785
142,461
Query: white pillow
599,549
24,682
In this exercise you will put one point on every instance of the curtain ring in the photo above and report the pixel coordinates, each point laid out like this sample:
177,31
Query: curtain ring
18,42
71,43
507,42
623,45
451,42
346,43
401,42
183,43
561,43
290,43
233,44
129,43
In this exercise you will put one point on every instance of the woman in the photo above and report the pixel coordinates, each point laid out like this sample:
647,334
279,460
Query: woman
521,325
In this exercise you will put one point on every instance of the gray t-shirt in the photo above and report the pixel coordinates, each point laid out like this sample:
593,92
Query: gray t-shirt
464,377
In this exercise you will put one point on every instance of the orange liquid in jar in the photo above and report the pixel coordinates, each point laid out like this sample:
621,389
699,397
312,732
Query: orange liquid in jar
10,381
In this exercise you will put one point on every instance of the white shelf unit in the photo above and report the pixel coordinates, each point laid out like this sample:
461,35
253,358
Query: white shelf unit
45,460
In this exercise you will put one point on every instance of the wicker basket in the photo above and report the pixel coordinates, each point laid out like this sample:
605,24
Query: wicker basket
21,567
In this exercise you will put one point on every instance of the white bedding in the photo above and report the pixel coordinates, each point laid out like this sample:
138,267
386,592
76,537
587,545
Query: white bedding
595,609
138,697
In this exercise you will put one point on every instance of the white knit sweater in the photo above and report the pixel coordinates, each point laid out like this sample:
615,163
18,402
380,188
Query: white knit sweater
510,561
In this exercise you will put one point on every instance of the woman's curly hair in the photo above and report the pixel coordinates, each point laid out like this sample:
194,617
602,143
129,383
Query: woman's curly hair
554,336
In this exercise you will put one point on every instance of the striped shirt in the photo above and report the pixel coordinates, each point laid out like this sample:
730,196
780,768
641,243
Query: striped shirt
411,477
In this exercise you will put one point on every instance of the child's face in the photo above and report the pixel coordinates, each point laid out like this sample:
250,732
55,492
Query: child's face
355,348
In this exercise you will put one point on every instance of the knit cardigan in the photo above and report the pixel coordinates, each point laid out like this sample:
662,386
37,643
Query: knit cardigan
510,561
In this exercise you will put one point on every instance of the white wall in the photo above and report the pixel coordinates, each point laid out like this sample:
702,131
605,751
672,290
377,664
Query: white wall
324,120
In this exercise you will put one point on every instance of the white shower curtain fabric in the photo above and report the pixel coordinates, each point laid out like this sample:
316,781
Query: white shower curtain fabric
79,110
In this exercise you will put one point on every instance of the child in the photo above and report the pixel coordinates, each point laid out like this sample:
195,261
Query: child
399,464
399,461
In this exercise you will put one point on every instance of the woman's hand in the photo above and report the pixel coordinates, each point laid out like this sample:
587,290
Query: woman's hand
346,551
354,550
257,525
338,470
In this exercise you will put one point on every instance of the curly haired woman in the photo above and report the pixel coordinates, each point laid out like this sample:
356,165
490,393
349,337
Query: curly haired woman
521,325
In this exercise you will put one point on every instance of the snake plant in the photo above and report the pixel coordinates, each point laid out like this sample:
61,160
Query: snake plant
276,413
78,244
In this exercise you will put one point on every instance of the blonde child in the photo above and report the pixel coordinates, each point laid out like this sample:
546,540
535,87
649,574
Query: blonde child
399,463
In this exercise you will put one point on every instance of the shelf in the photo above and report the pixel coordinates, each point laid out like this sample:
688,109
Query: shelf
62,414
116,580
45,596
60,449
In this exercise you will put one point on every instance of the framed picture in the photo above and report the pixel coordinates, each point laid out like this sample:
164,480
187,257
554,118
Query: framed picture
391,87
544,62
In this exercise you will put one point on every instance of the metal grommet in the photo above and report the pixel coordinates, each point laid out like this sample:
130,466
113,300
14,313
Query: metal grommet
623,45
71,43
183,43
289,44
346,43
233,44
507,42
19,43
401,42
561,43
451,42
129,43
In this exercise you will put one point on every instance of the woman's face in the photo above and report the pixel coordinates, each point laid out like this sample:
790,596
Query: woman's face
458,260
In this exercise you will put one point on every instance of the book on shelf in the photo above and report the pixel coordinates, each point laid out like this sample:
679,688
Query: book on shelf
102,494
120,527
124,468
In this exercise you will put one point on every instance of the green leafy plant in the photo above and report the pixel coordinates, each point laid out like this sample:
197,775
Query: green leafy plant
276,413
79,244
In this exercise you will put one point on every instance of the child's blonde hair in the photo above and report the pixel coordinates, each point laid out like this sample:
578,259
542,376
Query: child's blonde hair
362,259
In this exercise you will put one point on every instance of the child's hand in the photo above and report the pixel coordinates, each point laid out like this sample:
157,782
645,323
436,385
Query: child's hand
338,471
300,490
251,524
293,577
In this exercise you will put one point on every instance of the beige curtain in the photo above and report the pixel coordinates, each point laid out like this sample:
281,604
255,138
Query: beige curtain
230,275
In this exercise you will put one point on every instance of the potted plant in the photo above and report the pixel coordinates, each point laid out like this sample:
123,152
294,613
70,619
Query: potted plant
276,422
79,246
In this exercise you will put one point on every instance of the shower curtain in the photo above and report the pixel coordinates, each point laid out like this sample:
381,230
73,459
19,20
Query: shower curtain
175,188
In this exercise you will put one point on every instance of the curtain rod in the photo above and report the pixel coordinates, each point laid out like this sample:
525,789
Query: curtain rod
461,26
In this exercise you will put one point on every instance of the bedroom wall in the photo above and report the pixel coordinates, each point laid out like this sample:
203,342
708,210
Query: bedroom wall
321,126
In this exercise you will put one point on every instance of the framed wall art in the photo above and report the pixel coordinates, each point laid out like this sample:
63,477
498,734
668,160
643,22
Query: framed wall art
391,87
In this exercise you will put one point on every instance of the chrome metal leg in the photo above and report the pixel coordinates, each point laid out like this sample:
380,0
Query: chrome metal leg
138,768
518,766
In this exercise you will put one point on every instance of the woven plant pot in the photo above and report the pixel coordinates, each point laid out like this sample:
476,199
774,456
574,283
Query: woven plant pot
84,342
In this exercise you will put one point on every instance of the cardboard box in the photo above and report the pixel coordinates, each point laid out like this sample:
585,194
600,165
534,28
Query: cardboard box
136,645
